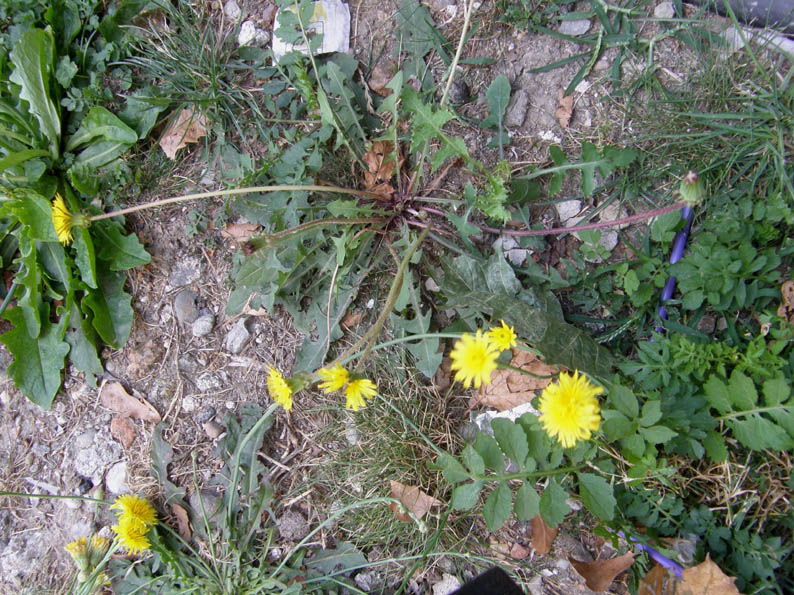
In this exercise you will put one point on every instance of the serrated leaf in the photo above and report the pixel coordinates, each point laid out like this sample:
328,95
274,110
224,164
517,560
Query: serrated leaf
590,157
490,452
343,558
35,213
624,400
465,496
527,504
658,434
553,504
473,460
28,278
121,251
634,444
597,495
559,159
496,509
616,425
776,391
452,470
512,440
500,277
716,394
741,391
111,309
758,433
83,343
38,362
651,413
715,447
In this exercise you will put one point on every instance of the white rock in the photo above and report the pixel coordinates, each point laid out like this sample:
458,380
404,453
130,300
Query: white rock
612,212
203,325
567,209
116,479
664,10
582,87
251,35
232,11
431,285
578,27
188,404
535,586
446,585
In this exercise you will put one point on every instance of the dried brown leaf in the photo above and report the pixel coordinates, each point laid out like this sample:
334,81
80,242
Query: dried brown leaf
123,430
188,127
443,376
786,309
510,389
707,579
542,535
380,169
239,232
565,111
518,552
114,397
351,319
659,581
598,575
413,499
380,77
183,522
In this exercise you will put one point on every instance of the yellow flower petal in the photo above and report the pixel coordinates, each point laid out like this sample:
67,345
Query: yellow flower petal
279,389
62,220
134,507
357,390
502,337
132,534
474,359
334,378
569,410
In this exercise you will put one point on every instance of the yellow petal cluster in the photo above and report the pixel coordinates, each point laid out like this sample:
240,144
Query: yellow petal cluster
503,337
135,517
569,410
280,391
474,359
356,389
334,379
62,220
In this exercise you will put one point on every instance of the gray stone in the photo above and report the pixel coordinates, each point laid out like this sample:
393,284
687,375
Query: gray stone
292,526
185,308
368,581
212,502
188,404
568,209
93,460
232,11
208,382
85,439
186,272
448,584
664,10
203,325
707,324
237,338
352,435
512,250
517,109
22,556
578,27
213,429
205,415
459,92
535,586
251,35
116,479
188,365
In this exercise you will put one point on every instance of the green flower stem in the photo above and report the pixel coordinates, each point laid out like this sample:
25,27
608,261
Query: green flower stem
234,192
529,474
268,241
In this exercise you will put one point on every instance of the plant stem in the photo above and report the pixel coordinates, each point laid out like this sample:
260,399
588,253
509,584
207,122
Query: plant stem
468,9
233,192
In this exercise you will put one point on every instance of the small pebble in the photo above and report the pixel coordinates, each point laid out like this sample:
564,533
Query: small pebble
203,325
213,429
459,92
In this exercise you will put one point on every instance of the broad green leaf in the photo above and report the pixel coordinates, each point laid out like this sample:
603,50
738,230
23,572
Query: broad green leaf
716,394
452,470
415,29
616,425
658,434
512,440
590,157
596,494
473,460
758,433
33,60
20,157
498,97
465,496
496,509
776,391
52,261
28,278
624,400
527,504
489,450
500,277
559,159
99,123
83,341
343,558
426,351
651,413
85,258
100,153
715,447
36,369
741,391
635,445
553,504
110,306
120,251
35,213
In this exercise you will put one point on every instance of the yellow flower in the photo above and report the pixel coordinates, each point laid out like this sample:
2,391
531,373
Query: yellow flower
279,389
62,220
335,378
356,391
474,359
132,534
569,410
136,508
77,549
502,337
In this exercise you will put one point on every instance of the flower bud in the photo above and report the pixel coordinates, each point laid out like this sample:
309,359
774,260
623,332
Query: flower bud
692,190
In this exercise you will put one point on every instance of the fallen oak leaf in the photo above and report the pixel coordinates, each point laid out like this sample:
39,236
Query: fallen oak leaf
509,389
542,535
600,574
565,111
123,430
707,579
113,396
188,127
412,498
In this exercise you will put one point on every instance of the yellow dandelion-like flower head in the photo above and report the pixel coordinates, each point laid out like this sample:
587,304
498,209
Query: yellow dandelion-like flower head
334,379
357,390
77,548
132,534
569,410
474,359
62,220
279,389
134,507
502,337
